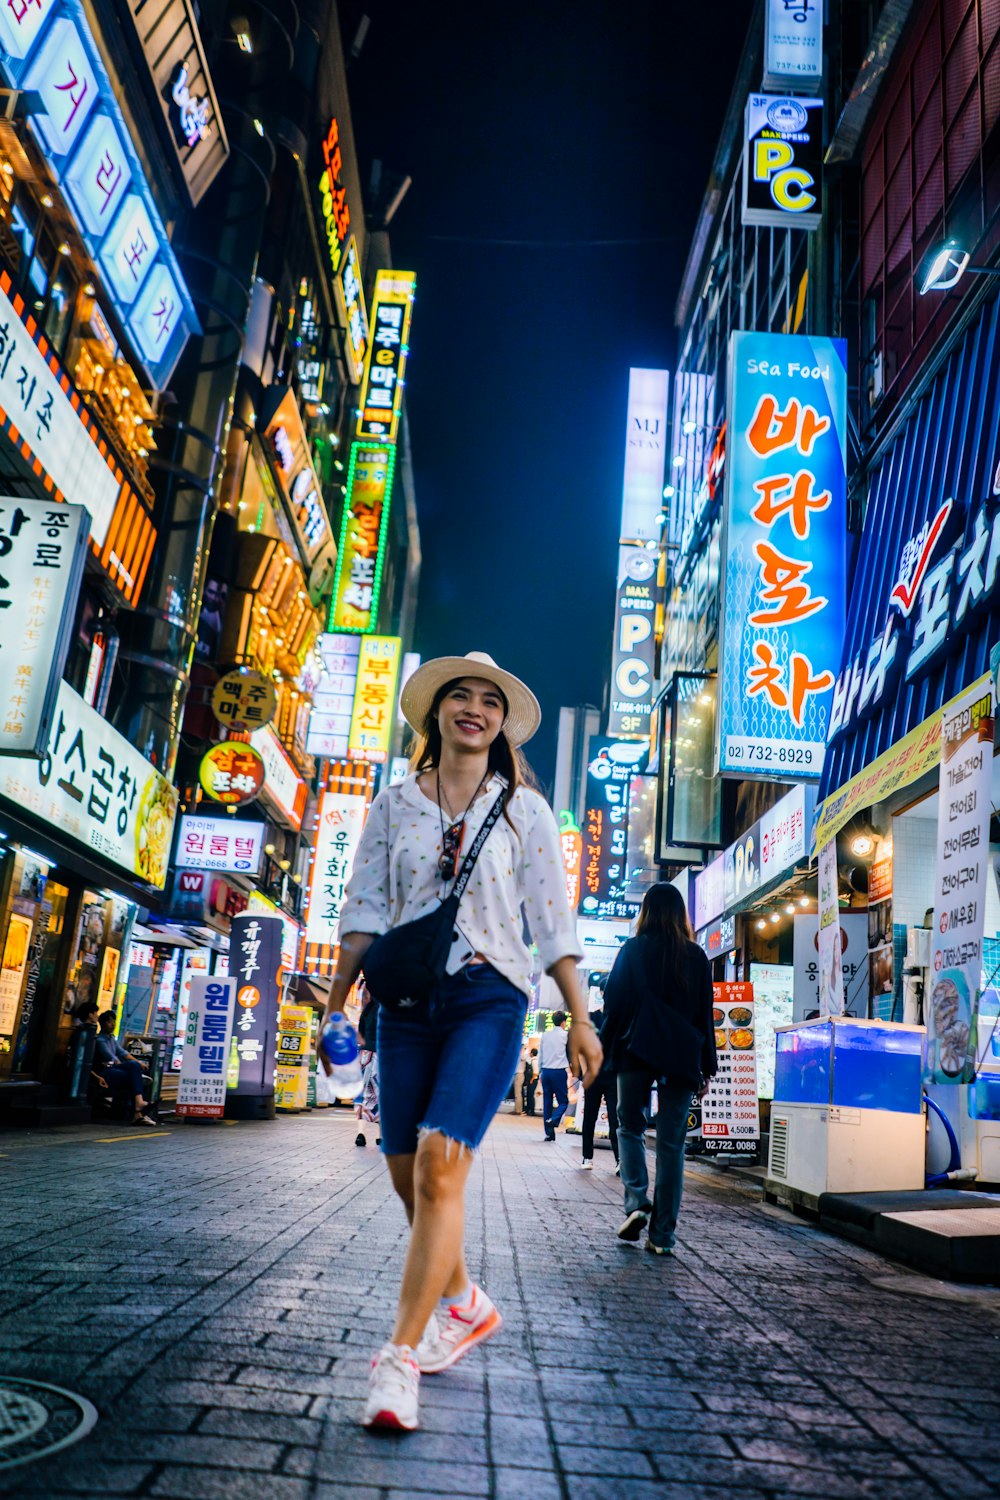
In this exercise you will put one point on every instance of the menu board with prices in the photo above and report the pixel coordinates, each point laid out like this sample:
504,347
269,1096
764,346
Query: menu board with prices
730,1117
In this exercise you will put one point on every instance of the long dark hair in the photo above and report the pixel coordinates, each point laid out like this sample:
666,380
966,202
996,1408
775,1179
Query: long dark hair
663,917
505,759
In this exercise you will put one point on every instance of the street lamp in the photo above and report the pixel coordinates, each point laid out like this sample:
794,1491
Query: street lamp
945,266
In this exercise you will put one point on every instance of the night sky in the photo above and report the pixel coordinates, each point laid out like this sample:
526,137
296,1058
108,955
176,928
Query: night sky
530,133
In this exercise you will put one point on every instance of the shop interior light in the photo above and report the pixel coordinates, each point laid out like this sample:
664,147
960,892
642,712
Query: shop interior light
862,844
790,910
803,900
689,428
761,925
775,916
669,492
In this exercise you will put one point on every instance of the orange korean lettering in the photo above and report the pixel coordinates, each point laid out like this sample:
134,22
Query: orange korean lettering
796,427
781,585
767,677
781,493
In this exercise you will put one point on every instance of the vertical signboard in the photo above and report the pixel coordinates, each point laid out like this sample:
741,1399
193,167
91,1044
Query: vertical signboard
381,397
853,963
783,162
633,662
333,696
12,969
793,45
339,822
373,717
571,845
881,955
350,294
255,965
42,548
782,627
730,1115
831,977
201,1089
645,455
963,842
363,536
604,883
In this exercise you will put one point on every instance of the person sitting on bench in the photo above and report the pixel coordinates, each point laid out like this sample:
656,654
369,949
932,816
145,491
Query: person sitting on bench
114,1069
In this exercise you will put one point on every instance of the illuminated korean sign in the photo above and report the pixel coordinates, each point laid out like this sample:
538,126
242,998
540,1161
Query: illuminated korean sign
80,127
632,666
284,789
691,469
645,455
244,699
339,821
604,882
783,162
208,1030
782,626
375,697
793,45
232,772
350,293
255,964
571,845
300,486
219,844
41,564
363,533
93,787
333,197
333,696
382,386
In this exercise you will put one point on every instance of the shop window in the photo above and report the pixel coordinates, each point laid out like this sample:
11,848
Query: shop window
62,300
691,812
23,225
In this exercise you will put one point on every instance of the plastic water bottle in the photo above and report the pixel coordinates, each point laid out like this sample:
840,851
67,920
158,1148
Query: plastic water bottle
339,1044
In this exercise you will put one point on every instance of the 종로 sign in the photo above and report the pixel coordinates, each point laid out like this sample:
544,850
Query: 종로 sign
633,660
793,45
783,578
93,787
372,720
219,844
244,699
783,162
42,548
364,531
208,1032
339,821
381,396
645,455
232,772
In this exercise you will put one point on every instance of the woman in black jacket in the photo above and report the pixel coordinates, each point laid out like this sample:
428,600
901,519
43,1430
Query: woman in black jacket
658,1028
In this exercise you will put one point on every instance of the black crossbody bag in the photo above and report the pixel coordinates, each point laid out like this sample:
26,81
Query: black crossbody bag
404,966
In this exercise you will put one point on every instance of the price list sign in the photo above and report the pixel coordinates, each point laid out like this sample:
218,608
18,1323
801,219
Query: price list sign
730,1116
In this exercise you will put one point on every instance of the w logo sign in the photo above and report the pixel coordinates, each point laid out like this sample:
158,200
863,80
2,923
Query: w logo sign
191,881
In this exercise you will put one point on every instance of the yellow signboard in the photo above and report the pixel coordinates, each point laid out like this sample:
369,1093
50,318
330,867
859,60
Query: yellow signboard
375,697
900,766
291,1075
385,365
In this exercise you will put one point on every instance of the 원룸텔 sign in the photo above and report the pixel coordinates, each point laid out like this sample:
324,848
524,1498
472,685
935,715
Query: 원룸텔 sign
783,162
201,1089
783,577
219,844
41,563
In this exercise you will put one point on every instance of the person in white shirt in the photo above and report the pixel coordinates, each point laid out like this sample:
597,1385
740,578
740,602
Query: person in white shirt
445,1067
552,1064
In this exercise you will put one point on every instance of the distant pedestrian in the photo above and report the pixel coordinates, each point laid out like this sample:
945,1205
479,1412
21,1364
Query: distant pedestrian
658,1028
446,1061
367,1106
552,1065
604,1089
530,1081
114,1069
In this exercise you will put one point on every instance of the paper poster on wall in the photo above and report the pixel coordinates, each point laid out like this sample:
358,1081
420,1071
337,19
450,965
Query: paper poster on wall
853,964
15,961
963,844
831,978
881,957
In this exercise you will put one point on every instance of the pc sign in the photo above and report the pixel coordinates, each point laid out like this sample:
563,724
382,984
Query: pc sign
783,162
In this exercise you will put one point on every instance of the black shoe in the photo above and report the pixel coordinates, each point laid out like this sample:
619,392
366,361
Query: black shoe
633,1226
359,1139
378,1140
655,1249
548,1139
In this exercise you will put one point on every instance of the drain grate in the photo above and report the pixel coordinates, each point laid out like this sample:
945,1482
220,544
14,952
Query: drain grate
37,1419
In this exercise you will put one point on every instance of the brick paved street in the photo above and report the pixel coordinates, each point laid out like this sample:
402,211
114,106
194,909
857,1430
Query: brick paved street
217,1291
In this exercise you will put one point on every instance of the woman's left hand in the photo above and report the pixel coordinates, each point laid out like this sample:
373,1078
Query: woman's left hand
586,1054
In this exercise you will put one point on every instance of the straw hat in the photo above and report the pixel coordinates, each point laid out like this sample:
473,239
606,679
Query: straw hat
523,712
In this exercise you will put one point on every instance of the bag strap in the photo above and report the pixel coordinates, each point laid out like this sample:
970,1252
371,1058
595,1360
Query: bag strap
468,863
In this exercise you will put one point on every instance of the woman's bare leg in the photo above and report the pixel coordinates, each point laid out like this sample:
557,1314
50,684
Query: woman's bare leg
432,1188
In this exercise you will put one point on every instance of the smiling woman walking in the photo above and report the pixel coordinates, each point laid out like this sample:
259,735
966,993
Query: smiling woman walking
447,1062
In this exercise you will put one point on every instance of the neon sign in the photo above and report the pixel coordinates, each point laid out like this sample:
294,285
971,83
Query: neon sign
333,196
194,109
382,387
363,536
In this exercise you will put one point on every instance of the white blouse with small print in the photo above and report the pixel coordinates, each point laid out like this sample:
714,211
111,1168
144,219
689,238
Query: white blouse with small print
396,879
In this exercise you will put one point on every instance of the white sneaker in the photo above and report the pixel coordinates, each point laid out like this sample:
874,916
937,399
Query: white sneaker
453,1331
393,1390
586,1165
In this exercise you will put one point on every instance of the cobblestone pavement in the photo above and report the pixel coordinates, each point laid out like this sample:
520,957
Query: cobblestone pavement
217,1291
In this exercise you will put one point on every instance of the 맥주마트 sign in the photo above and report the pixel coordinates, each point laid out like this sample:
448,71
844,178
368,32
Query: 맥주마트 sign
201,1090
782,625
219,844
93,787
41,563
963,841
339,821
381,397
783,162
633,661
645,455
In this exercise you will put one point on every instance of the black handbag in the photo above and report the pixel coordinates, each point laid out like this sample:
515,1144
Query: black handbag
660,1036
404,966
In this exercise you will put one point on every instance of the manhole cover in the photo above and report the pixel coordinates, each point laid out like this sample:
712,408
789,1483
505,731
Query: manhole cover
38,1419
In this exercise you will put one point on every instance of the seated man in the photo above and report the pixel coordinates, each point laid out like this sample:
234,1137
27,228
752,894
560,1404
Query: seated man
114,1069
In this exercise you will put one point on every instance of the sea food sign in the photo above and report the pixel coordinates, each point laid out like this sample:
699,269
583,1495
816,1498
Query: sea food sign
784,572
947,574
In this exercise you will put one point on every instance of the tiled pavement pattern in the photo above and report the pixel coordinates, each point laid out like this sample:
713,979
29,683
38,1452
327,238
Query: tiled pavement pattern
217,1291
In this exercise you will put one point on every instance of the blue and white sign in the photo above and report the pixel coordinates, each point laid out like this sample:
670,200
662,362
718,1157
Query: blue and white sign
208,1035
793,45
783,582
50,51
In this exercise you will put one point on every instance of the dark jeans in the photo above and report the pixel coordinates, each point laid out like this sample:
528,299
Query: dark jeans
674,1101
530,1085
124,1078
604,1088
554,1087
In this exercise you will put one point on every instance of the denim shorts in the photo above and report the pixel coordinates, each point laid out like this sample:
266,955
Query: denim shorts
449,1067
